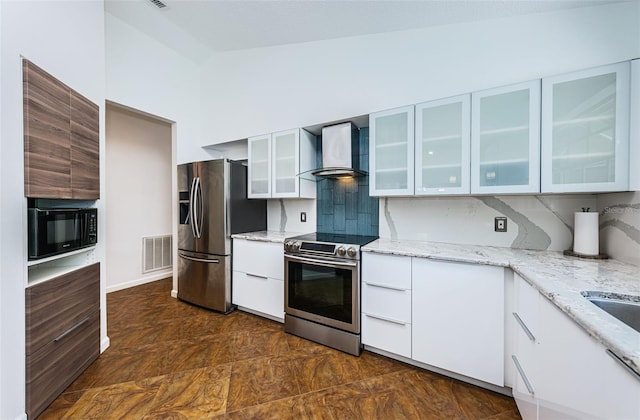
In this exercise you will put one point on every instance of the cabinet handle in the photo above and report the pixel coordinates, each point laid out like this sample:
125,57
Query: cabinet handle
73,327
623,363
522,375
257,276
399,289
393,321
524,327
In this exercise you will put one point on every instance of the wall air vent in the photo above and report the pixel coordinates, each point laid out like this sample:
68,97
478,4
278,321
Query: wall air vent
159,4
156,253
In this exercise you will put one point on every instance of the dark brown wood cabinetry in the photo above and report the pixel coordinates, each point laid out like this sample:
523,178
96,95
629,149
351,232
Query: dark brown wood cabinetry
62,333
61,139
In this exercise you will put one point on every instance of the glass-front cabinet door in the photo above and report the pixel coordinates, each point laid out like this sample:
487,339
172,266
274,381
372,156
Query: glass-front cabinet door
285,163
505,139
442,146
391,152
585,130
259,168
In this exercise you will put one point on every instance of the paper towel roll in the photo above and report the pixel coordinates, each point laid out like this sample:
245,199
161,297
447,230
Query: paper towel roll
585,233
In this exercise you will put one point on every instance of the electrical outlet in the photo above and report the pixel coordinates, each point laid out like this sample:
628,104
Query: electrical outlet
303,217
500,224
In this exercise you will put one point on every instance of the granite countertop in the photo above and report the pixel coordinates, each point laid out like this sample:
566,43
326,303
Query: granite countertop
265,236
560,278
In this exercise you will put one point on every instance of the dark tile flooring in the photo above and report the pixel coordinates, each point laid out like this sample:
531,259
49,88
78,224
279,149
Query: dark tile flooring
169,359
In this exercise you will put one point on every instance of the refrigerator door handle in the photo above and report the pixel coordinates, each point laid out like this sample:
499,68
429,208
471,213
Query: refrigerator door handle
191,199
200,206
197,208
204,260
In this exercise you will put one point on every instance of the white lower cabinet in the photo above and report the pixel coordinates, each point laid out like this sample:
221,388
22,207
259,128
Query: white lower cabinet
458,318
577,379
563,373
386,303
258,277
447,315
524,357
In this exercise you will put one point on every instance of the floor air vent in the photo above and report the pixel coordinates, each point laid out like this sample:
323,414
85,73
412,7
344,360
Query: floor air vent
156,253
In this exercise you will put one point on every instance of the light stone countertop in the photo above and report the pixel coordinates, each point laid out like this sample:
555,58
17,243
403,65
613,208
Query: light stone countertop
266,236
558,277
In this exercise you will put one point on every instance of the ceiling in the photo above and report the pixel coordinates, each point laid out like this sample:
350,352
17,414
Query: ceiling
199,28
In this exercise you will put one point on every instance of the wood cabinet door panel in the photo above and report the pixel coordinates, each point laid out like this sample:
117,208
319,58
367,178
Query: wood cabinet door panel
85,148
47,143
85,162
52,307
52,368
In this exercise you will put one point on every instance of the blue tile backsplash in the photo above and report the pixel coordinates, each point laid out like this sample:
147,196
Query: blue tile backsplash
344,205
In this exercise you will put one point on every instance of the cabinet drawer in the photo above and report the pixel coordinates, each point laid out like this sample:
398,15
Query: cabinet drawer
53,367
259,258
525,399
389,270
526,307
386,335
386,302
55,305
262,294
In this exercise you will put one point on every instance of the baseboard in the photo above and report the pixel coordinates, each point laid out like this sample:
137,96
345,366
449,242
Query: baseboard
104,344
174,293
147,279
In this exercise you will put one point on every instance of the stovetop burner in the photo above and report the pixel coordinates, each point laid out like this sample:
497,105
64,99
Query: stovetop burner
335,238
331,245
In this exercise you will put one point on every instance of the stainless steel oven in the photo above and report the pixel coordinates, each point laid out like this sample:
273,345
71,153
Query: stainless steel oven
322,289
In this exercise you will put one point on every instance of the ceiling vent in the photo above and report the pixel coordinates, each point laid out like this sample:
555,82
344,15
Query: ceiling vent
158,4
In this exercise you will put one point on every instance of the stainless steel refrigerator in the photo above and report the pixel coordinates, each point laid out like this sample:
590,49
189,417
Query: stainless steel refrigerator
213,205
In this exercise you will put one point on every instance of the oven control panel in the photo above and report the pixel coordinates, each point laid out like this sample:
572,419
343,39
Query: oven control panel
344,251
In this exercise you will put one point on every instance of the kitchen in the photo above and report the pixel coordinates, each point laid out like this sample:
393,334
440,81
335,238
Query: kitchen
477,57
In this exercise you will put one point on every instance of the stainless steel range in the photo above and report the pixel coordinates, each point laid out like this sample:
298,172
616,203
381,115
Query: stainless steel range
322,288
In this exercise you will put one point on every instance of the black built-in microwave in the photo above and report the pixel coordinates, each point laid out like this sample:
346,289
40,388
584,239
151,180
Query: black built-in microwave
55,231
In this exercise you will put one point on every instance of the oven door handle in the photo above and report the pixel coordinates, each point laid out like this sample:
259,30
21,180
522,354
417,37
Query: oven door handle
325,263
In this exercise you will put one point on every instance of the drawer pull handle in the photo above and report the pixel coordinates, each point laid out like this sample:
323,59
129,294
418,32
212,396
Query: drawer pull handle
72,328
399,289
524,327
522,375
257,276
623,363
393,321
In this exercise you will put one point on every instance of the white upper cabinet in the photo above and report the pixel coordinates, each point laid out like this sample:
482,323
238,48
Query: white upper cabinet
391,152
585,130
442,146
276,162
505,139
634,147
286,163
259,169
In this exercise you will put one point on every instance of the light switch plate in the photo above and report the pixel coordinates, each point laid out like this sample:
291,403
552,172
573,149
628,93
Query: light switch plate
303,216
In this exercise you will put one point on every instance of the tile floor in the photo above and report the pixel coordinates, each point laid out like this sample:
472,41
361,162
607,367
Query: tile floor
169,359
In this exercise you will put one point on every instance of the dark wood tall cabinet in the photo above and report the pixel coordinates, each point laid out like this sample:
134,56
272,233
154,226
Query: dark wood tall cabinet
62,333
61,139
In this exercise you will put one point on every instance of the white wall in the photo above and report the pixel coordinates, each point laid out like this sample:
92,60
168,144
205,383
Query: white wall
145,75
66,38
251,92
138,169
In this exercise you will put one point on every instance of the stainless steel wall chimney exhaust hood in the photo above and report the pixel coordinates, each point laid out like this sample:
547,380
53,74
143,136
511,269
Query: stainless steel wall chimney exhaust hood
340,152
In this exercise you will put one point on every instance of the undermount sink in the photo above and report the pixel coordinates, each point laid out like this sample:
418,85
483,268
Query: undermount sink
626,308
